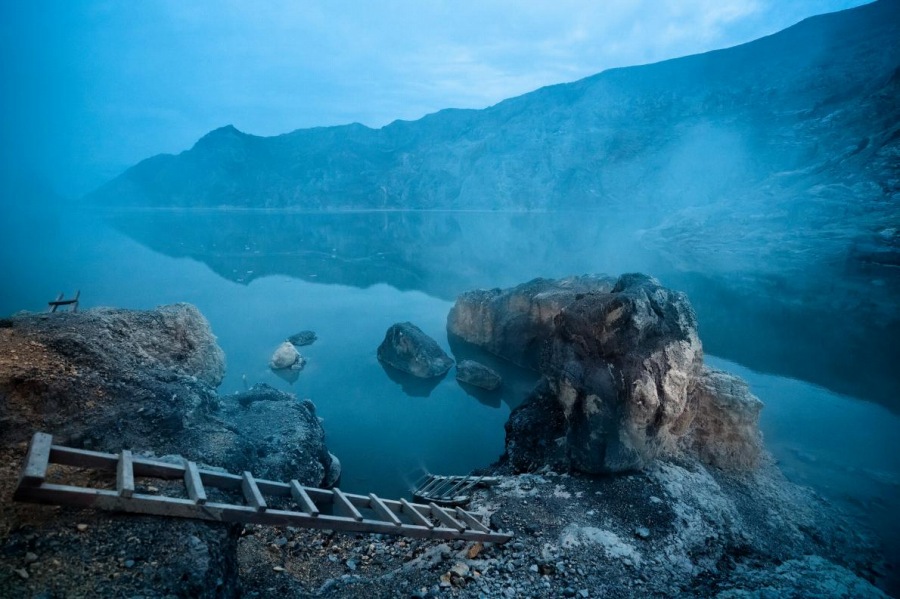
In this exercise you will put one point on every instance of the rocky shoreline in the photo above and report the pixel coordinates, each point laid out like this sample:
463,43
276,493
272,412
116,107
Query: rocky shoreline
706,515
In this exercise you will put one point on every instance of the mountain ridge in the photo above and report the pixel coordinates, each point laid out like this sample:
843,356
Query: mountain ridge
542,149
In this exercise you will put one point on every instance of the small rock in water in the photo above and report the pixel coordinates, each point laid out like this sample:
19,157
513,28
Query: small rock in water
642,532
286,356
23,573
81,527
478,375
303,338
30,557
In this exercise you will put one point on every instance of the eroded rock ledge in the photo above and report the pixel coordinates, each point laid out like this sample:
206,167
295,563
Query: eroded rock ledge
623,375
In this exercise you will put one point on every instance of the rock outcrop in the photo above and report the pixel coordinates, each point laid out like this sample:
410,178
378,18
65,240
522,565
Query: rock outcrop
623,378
478,375
108,378
407,348
515,323
111,379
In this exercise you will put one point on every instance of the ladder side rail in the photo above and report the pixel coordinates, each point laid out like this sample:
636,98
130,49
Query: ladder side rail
222,512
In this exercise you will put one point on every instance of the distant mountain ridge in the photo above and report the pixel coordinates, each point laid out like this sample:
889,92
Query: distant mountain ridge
693,126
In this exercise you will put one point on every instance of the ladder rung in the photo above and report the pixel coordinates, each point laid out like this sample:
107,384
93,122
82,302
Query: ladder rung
302,497
125,474
251,492
383,510
37,459
193,483
470,521
343,506
445,518
414,514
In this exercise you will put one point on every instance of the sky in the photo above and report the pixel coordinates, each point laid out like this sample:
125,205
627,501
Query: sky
91,87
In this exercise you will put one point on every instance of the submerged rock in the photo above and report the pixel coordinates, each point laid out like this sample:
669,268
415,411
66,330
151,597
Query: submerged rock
287,356
407,348
303,338
477,374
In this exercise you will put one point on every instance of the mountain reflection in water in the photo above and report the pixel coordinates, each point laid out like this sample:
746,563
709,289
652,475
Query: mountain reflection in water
834,328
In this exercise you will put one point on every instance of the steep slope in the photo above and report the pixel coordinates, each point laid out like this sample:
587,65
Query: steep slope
679,131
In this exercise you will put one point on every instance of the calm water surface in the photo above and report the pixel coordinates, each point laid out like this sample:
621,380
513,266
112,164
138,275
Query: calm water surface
260,278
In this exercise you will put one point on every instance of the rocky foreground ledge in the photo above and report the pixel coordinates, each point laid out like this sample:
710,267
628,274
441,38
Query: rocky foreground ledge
679,521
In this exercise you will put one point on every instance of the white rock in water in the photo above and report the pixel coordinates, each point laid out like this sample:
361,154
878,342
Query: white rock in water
285,356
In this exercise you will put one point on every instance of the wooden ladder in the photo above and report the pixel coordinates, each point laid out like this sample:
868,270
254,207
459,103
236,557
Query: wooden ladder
59,301
318,508
449,490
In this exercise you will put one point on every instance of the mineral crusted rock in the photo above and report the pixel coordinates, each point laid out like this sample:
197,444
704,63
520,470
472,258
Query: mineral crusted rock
725,427
286,356
478,375
623,377
407,348
108,378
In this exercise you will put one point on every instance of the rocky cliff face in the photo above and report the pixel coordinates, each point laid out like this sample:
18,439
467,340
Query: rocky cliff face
623,375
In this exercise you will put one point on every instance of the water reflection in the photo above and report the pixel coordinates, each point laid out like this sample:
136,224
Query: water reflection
832,327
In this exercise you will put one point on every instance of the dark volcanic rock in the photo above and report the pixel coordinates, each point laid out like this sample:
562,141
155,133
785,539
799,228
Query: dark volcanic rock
109,378
620,365
279,437
478,375
407,348
516,323
303,338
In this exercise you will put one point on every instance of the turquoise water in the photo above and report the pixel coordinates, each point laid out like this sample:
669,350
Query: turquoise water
257,285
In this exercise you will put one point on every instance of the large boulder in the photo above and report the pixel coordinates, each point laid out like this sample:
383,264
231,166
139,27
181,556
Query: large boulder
108,378
516,323
407,348
623,378
278,437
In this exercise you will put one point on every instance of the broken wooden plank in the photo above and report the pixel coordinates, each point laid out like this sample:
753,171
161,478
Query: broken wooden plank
383,510
448,520
125,474
415,515
303,499
194,483
343,505
471,521
251,493
36,460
